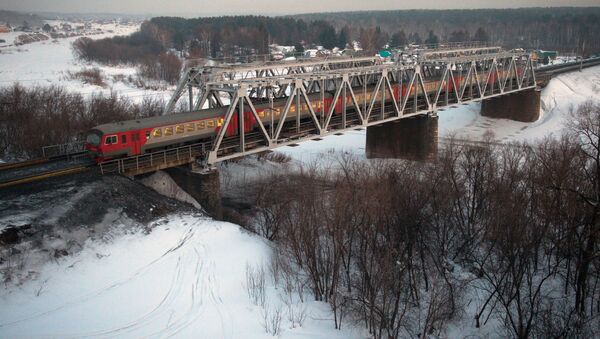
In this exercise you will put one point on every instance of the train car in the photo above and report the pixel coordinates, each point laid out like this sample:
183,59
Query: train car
135,137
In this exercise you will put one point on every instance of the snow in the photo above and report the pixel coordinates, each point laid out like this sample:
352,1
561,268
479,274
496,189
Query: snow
186,278
49,63
163,184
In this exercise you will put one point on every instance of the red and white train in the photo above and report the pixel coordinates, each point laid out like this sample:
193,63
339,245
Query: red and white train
135,137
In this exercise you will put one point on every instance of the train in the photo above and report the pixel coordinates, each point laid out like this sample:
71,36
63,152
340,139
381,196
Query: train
136,137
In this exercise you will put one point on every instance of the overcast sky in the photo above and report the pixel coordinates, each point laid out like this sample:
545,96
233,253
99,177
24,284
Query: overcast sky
212,7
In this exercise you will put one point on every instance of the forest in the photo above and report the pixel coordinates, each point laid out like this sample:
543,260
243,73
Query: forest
247,38
566,29
569,30
490,236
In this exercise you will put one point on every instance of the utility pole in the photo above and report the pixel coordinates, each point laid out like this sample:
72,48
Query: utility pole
581,61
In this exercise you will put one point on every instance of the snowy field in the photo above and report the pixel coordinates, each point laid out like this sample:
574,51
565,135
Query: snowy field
184,279
50,62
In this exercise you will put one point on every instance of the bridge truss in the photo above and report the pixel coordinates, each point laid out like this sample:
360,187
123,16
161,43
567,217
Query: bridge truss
195,79
287,101
296,101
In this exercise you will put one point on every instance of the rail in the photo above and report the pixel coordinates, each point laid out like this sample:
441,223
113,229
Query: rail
154,161
44,175
569,66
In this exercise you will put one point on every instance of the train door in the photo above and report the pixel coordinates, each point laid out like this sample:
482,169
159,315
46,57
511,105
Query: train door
134,136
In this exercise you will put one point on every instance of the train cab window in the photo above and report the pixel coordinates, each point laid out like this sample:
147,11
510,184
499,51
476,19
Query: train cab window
111,139
211,123
157,133
191,127
201,125
93,139
147,135
168,131
123,139
179,129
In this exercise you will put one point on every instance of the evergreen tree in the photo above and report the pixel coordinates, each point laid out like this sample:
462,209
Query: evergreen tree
344,37
481,35
432,39
399,39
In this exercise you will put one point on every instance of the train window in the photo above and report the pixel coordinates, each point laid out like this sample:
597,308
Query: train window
201,125
220,122
123,139
111,139
157,133
93,139
191,127
261,114
147,135
179,129
210,123
168,131
293,109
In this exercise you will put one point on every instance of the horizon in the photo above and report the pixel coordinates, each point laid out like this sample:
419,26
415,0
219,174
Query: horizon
182,8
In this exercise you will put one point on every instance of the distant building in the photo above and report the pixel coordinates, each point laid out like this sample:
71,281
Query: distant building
5,29
544,56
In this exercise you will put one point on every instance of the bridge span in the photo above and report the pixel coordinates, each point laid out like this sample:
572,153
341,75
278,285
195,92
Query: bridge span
290,102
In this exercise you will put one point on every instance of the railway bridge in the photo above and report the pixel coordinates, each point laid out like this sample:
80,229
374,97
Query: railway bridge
288,102
309,99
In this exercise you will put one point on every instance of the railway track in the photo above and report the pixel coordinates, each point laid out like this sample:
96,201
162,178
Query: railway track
12,174
44,175
39,161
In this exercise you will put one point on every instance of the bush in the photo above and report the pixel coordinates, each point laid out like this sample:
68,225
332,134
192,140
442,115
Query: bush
91,76
166,67
130,49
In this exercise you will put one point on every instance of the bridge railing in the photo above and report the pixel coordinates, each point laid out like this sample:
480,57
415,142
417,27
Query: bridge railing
63,149
156,160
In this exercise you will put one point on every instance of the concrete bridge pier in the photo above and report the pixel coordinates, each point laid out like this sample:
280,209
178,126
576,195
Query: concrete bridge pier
204,186
521,106
414,138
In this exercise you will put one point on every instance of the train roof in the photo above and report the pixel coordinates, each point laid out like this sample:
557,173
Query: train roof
169,119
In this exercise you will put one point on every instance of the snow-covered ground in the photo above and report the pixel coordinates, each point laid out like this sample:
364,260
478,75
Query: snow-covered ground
185,279
564,92
50,62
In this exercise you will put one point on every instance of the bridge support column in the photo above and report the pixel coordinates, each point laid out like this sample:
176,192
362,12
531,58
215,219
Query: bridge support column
521,106
204,186
413,138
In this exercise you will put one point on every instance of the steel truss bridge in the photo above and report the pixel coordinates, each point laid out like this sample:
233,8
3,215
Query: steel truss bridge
295,93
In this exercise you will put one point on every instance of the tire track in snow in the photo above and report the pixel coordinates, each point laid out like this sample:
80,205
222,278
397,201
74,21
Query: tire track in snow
141,271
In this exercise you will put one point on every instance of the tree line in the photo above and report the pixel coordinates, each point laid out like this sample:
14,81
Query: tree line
33,117
500,236
566,29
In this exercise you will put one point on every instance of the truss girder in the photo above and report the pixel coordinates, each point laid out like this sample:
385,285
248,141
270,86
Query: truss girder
317,100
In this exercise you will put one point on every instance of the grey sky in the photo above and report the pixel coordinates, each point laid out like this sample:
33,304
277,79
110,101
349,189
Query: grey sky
212,7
